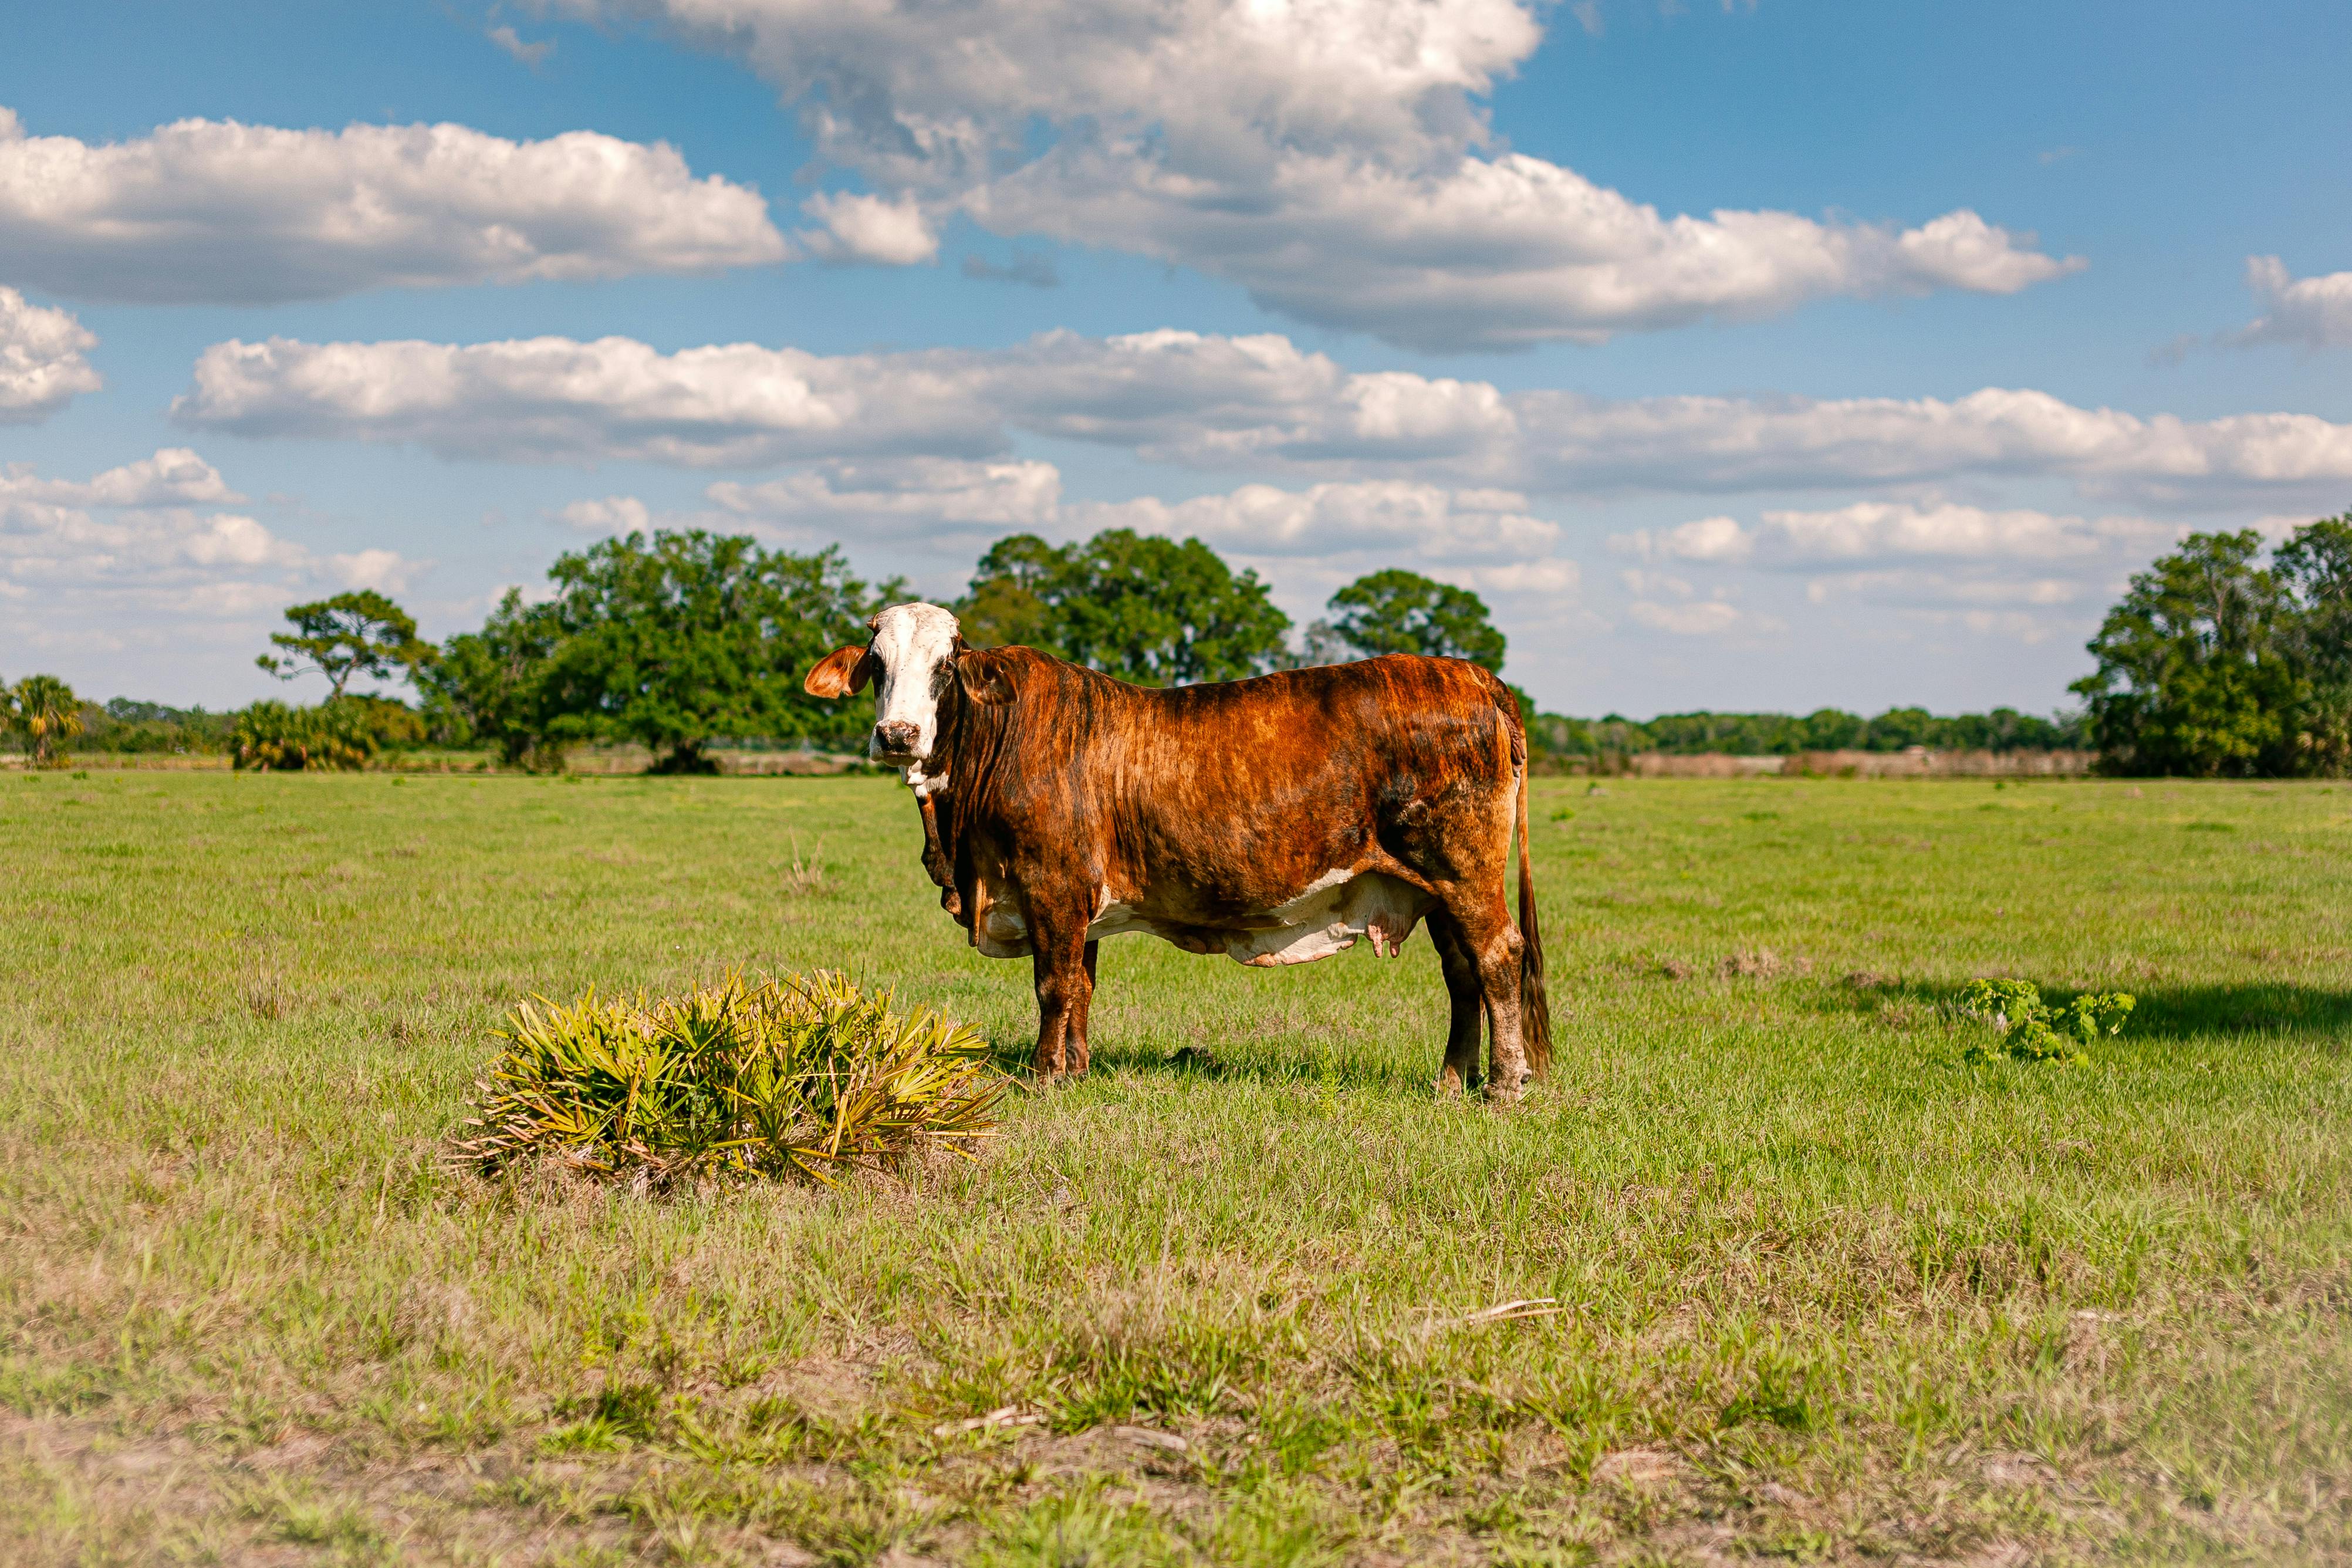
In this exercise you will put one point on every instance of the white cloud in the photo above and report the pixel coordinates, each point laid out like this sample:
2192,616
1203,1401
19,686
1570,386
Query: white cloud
530,54
1874,531
1910,586
1702,539
215,211
554,399
174,475
1251,403
1497,253
134,542
613,514
2312,313
387,571
41,364
1332,157
1880,530
946,502
1646,584
1394,517
869,228
904,497
1934,558
1696,618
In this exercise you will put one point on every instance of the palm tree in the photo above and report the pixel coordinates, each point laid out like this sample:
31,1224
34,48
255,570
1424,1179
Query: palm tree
48,711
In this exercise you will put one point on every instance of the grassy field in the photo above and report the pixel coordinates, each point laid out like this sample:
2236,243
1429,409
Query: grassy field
1825,1291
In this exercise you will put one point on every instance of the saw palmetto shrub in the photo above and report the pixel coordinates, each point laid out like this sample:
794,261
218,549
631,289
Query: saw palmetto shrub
805,1076
343,732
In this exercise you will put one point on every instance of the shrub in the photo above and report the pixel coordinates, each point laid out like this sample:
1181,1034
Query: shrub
343,733
807,1075
2031,1032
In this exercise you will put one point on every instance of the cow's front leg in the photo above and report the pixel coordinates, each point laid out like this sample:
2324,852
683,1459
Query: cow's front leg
1061,964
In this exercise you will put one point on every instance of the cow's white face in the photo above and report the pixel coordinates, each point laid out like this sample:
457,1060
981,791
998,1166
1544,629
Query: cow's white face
914,649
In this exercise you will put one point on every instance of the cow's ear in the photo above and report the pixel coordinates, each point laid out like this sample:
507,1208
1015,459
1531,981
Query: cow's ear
982,674
841,672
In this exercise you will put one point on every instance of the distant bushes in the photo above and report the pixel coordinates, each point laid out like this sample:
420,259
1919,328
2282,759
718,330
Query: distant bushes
153,728
808,1077
1785,734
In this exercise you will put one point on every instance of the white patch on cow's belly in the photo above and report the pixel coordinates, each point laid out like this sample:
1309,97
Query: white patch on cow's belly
1336,910
1331,915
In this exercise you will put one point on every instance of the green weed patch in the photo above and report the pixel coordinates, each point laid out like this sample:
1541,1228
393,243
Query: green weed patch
2031,1032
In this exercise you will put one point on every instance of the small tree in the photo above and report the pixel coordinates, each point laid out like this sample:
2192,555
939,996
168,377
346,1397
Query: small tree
360,633
46,711
1403,612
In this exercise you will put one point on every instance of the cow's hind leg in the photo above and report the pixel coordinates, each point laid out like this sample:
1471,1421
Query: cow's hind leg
1066,984
1461,988
1076,1050
1493,942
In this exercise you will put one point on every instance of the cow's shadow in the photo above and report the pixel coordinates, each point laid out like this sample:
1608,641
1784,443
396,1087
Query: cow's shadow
2164,1012
1197,1063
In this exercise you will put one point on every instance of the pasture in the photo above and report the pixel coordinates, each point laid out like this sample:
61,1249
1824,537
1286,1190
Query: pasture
1825,1291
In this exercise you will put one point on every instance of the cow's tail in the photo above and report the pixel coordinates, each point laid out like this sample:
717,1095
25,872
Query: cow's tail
1535,1008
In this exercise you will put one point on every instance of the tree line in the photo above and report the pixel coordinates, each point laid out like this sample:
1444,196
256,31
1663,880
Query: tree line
2217,661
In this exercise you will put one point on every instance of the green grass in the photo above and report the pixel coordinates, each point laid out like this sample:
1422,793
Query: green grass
1827,1291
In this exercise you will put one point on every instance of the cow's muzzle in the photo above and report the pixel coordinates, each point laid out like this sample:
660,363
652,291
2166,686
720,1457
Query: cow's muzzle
894,741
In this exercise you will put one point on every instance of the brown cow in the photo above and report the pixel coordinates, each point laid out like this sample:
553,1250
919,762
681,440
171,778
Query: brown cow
1274,820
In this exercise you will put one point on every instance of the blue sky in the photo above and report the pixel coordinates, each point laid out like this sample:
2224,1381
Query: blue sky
1449,287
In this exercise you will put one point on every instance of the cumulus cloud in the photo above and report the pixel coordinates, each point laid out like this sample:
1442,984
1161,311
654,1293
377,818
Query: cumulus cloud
910,498
1398,518
2310,312
135,541
1988,570
1881,531
530,54
1307,542
613,514
947,501
1691,618
1334,157
1257,403
218,212
1701,539
41,364
869,228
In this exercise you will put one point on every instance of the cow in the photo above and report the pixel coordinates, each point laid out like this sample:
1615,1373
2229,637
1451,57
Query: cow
1277,820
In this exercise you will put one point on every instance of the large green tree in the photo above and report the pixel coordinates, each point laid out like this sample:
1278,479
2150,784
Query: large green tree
2317,566
484,688
677,639
358,633
1147,609
1398,611
2198,672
